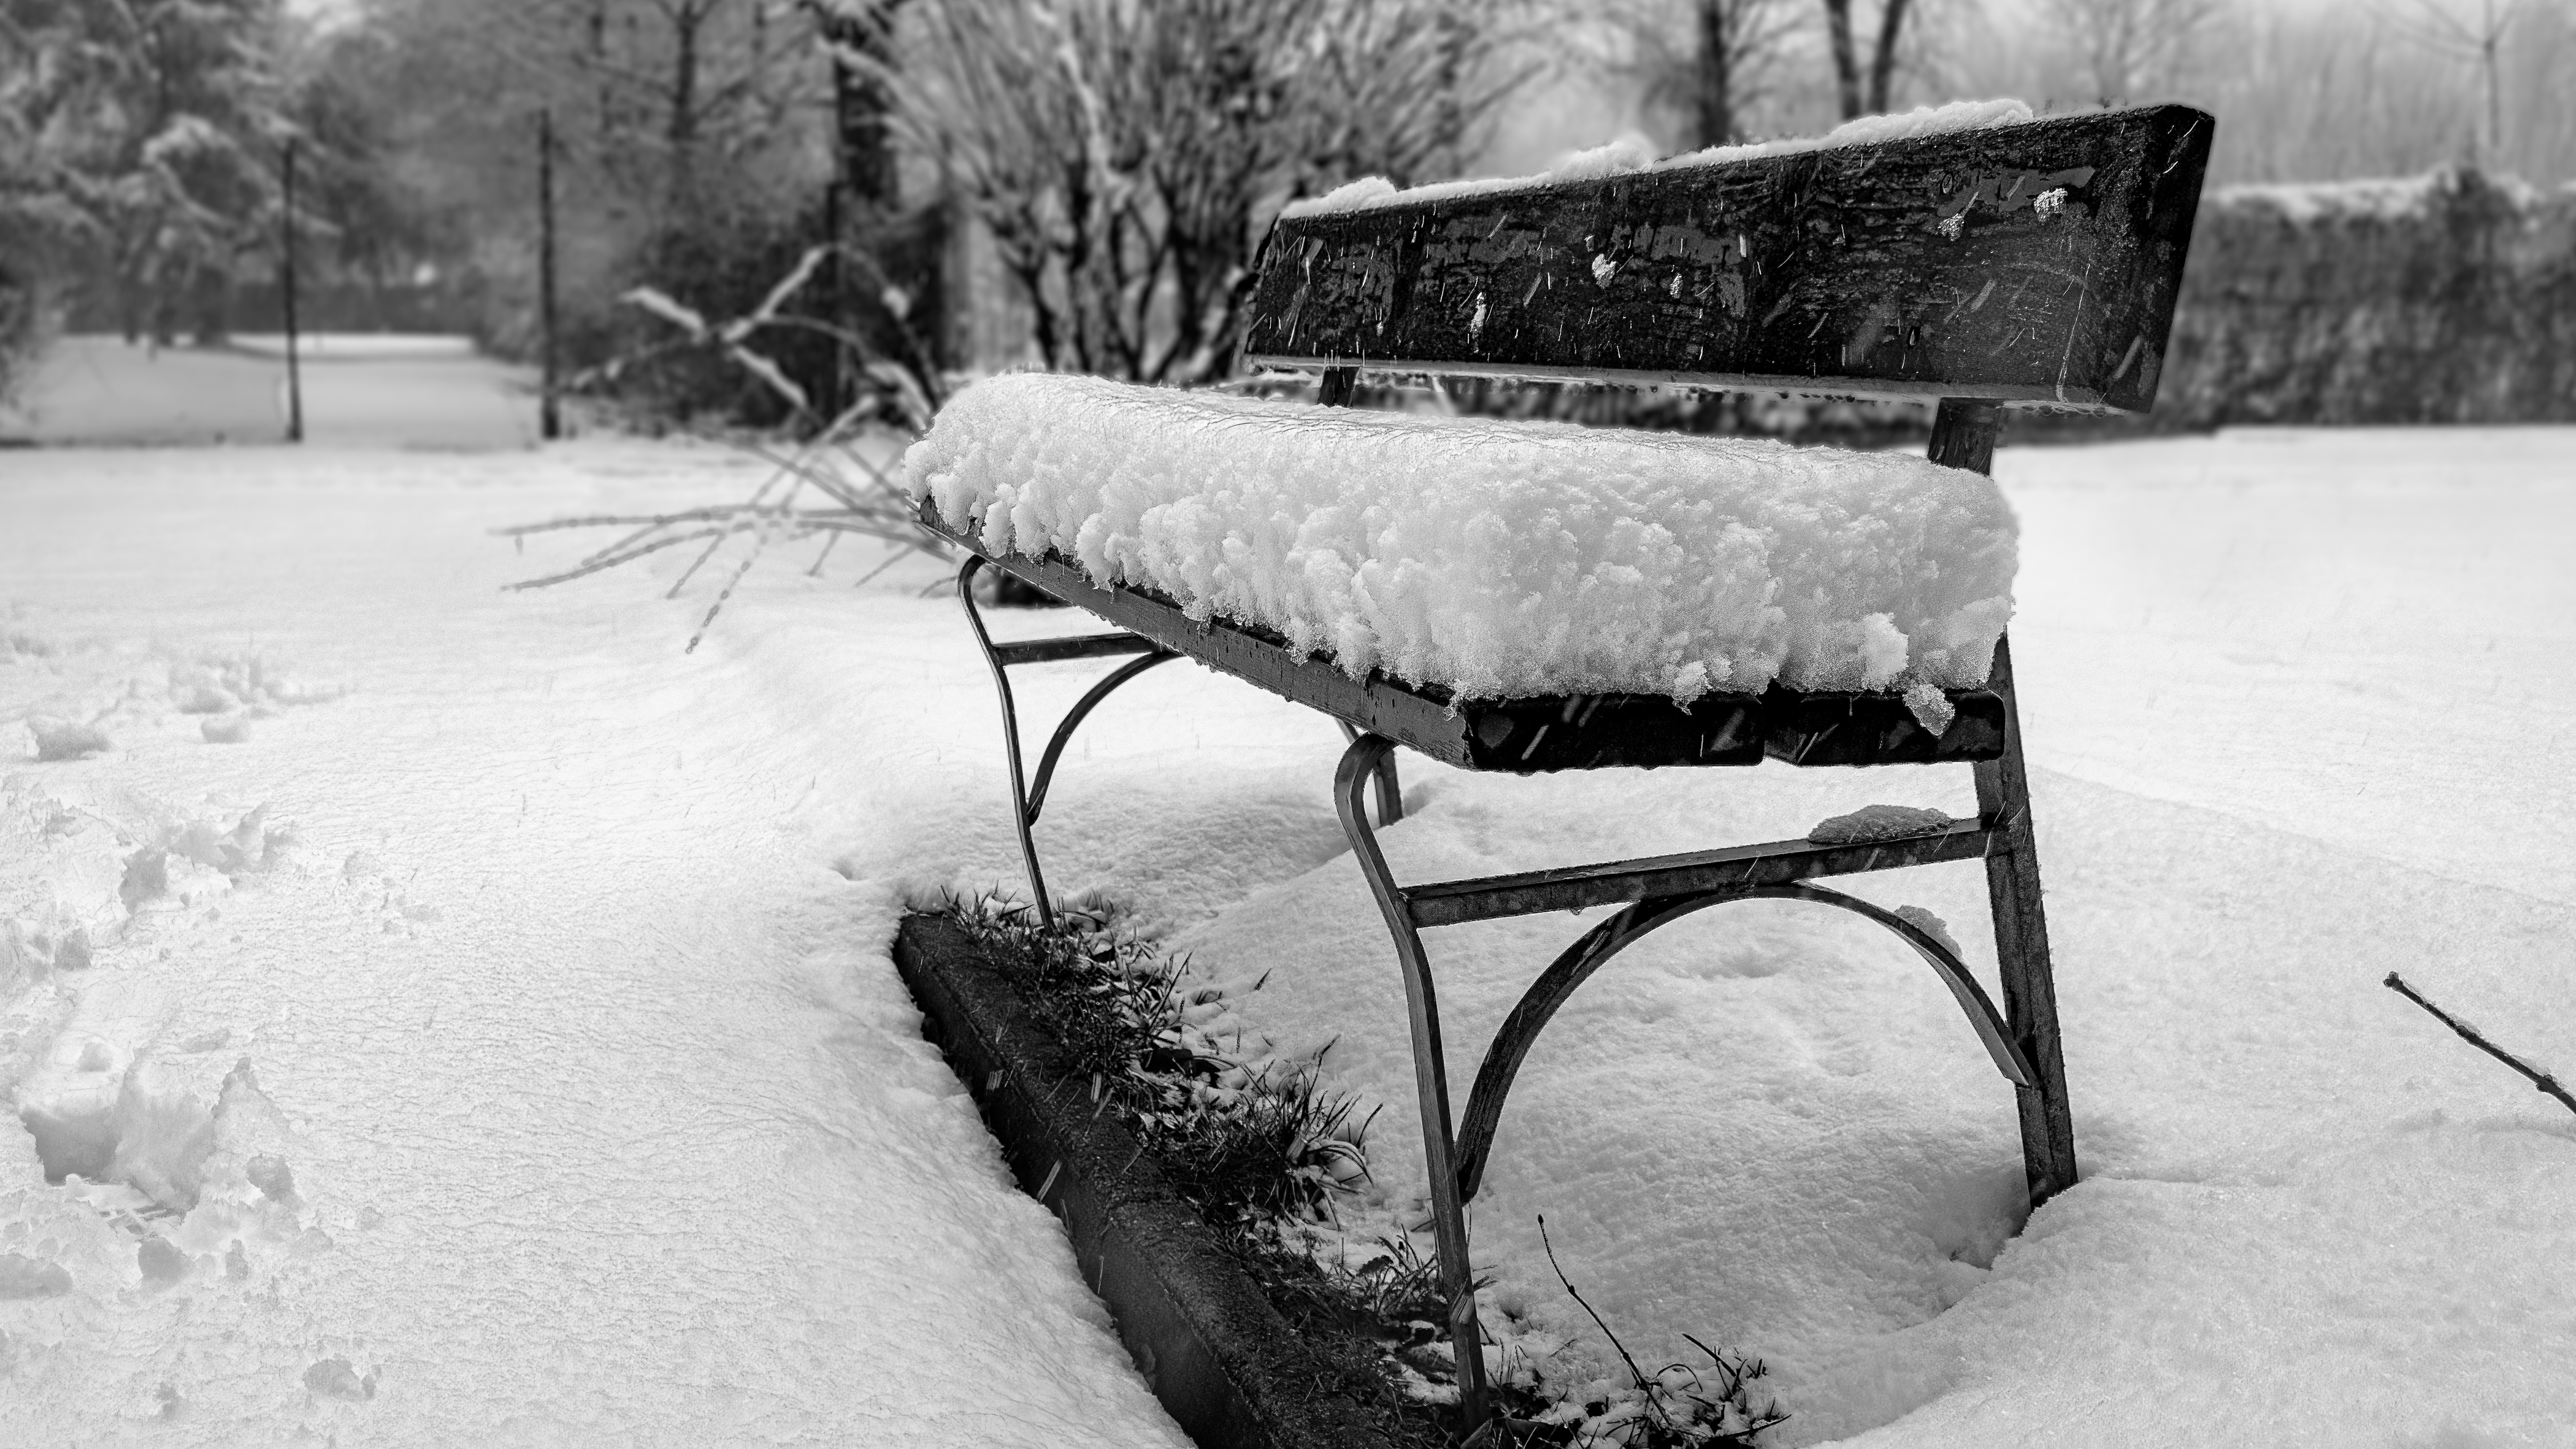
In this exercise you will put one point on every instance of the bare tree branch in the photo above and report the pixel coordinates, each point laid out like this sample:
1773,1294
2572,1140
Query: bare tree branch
2127,47
2547,1084
1126,157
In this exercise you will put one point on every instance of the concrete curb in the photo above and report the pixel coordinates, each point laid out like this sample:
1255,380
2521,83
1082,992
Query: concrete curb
1225,1364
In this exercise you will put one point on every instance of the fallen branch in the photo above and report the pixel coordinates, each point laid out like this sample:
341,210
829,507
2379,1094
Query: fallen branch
596,564
2543,1080
619,520
718,606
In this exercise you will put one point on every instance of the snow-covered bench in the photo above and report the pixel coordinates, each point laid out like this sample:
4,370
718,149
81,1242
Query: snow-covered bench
1537,597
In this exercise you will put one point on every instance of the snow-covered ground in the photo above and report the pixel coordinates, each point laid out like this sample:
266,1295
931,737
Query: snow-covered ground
360,389
487,1030
582,1104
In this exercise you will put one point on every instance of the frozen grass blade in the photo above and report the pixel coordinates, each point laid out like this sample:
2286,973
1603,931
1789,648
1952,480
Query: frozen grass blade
1633,1371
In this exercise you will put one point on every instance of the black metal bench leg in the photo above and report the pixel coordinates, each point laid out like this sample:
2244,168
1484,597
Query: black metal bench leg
1020,818
2021,951
1390,796
1362,762
1028,797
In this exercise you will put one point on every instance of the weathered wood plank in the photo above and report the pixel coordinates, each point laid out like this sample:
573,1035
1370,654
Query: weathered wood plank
1528,736
1522,736
1839,727
1377,704
2032,263
1455,902
1964,433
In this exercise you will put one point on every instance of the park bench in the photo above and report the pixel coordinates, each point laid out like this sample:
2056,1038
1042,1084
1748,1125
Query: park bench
2033,263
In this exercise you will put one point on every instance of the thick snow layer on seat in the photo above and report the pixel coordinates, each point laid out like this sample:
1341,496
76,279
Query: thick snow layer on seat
1631,153
1494,559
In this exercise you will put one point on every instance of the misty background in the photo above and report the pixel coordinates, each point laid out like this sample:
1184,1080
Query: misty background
884,195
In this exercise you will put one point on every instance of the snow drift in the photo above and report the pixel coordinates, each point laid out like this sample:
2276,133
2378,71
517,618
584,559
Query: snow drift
1494,559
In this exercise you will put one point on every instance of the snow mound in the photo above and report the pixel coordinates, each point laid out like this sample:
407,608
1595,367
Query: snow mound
1493,559
66,739
1924,919
25,1277
1630,154
1877,822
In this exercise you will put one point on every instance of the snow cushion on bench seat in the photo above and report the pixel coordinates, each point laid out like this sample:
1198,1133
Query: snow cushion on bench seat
1495,559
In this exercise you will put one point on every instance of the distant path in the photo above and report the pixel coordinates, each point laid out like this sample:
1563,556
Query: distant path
359,390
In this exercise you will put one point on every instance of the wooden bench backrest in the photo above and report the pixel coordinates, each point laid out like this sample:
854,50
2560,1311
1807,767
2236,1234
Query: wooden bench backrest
2031,263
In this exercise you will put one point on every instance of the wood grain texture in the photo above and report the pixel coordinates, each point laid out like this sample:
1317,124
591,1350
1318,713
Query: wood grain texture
2030,263
1964,432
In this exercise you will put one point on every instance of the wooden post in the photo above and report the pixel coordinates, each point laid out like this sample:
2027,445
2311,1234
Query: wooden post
1335,387
1964,432
286,292
549,413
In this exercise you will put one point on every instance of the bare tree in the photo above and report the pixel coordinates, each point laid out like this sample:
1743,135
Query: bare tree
2438,26
2128,46
859,103
1847,62
1710,61
1126,157
666,101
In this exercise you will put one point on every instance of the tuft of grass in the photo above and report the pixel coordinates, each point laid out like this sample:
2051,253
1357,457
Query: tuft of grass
1255,1147
1262,1147
1247,1141
1679,1407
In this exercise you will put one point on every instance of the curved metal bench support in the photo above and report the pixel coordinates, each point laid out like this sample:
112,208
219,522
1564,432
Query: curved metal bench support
1073,717
1557,985
1028,799
1361,763
1390,797
2022,1044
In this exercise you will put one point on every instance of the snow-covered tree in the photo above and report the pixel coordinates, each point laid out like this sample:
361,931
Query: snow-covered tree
2473,31
1709,65
1863,88
147,129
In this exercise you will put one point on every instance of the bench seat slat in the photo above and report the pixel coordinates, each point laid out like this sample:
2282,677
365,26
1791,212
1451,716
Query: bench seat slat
1491,557
1534,735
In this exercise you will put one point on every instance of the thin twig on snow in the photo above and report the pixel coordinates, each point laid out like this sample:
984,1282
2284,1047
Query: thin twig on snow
2543,1080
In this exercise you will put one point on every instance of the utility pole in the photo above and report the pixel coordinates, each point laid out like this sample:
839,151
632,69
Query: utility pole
286,288
549,415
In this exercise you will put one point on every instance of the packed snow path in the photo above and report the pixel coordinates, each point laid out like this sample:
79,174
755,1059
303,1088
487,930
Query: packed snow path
558,958
524,1074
